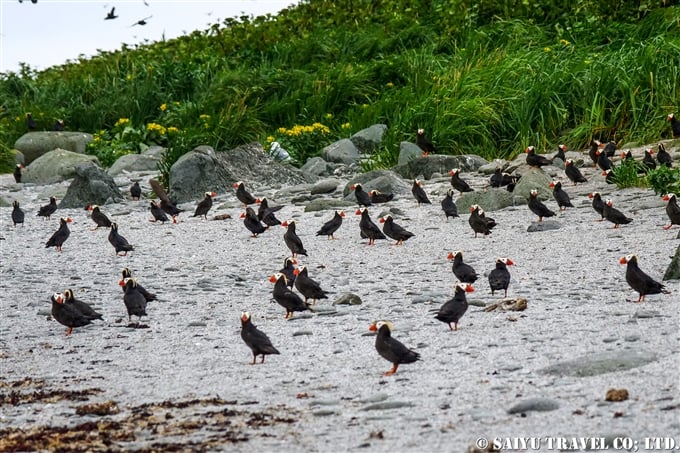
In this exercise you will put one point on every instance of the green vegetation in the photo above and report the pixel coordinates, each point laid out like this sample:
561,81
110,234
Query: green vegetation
664,180
629,174
481,77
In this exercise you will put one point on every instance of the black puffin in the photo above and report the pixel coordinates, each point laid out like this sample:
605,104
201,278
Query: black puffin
368,229
457,183
463,272
127,273
537,207
30,122
609,176
614,215
98,217
285,297
48,209
672,209
638,280
648,161
395,231
204,205
573,172
592,152
266,213
288,270
166,204
83,307
379,197
68,315
17,173
627,156
603,160
255,339
536,160
663,156
119,243
675,125
609,148
419,193
329,228
17,213
60,236
135,191
561,197
454,309
308,287
158,214
479,222
243,195
560,153
252,223
58,125
391,349
424,143
499,277
449,206
363,198
135,302
292,240
598,204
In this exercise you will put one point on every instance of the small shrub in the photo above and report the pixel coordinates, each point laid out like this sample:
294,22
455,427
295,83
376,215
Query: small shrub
302,142
628,174
664,180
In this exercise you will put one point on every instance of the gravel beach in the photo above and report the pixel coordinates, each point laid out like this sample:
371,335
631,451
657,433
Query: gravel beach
184,382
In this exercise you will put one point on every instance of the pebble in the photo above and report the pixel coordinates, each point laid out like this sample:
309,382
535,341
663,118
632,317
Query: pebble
534,404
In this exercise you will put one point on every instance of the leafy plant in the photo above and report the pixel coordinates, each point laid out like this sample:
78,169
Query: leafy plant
302,142
664,180
629,174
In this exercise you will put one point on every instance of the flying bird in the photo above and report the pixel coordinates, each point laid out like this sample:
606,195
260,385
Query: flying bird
111,14
141,21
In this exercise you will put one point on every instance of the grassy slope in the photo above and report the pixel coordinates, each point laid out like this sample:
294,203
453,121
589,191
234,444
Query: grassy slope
479,79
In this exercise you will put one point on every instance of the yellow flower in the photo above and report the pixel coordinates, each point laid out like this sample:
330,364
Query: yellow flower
172,130
204,117
122,122
163,107
346,125
128,77
547,49
364,106
329,116
270,139
281,130
564,42
153,127
389,84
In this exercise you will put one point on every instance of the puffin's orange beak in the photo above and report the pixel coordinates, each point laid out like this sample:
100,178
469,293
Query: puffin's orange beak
382,220
296,271
353,186
509,262
604,173
526,151
372,327
666,198
244,318
121,282
451,173
472,209
469,289
551,185
342,213
235,185
623,260
213,194
449,256
590,195
358,212
69,220
272,279
243,215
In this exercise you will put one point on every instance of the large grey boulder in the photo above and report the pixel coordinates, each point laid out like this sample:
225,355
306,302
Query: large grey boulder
673,271
146,161
195,173
385,181
91,185
315,166
407,152
438,163
343,151
55,166
366,140
492,199
35,144
533,178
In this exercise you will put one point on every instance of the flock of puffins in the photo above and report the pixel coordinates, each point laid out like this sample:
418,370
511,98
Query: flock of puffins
71,312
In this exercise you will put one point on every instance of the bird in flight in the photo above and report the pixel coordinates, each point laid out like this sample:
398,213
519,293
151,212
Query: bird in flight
141,21
111,14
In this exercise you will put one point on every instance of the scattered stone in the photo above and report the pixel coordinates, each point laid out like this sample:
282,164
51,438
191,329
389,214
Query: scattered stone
534,404
35,144
55,166
302,333
91,185
387,405
326,204
222,217
197,324
673,271
601,363
342,151
135,162
101,409
616,395
408,151
348,299
518,304
546,225
315,166
491,199
366,140
533,178
441,164
325,186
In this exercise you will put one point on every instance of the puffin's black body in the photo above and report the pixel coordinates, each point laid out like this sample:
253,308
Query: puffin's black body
81,306
204,205
609,176
292,240
536,160
457,183
119,243
615,216
127,273
592,152
329,228
285,297
560,153
395,231
308,287
537,207
135,303
598,204
67,315
252,223
363,198
672,209
664,157
379,197
17,213
561,197
499,277
30,122
573,172
391,349
463,272
135,191
369,229
243,195
266,213
170,208
638,280
627,156
158,214
255,339
98,217
479,222
648,161
609,149
17,173
59,236
424,143
48,209
675,125
500,179
288,270
455,308
449,206
603,161
419,193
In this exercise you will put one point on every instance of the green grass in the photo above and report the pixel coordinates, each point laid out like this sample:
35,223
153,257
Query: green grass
488,78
